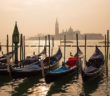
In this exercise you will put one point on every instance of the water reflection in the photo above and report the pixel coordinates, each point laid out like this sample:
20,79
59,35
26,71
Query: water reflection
66,87
61,86
22,89
4,80
91,86
5,86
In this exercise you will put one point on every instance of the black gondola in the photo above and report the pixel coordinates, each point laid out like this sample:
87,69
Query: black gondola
94,67
34,58
3,62
64,70
3,58
27,61
36,69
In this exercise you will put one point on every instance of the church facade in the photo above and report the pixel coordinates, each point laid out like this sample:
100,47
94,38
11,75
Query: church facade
70,33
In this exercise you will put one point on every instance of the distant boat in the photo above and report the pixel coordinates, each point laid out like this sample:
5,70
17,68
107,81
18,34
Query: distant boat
67,41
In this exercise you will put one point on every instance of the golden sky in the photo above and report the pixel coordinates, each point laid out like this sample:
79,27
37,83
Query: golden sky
39,16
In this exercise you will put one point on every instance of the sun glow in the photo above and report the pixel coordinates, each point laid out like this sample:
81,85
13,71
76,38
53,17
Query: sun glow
38,16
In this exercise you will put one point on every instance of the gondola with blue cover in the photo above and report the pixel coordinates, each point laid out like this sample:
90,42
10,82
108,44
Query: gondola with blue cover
94,67
67,69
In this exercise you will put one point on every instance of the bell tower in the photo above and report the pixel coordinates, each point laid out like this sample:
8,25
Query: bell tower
56,28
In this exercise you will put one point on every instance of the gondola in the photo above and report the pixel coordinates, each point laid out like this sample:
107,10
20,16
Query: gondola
3,57
27,61
34,58
67,69
94,67
3,62
36,69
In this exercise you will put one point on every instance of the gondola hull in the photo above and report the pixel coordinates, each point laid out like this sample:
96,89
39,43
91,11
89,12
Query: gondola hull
4,72
3,58
68,69
21,74
35,69
89,77
49,77
94,68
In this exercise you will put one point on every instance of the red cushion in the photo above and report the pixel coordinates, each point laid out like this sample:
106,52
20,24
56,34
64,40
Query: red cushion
72,61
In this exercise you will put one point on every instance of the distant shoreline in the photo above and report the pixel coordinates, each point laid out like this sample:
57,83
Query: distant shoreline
67,39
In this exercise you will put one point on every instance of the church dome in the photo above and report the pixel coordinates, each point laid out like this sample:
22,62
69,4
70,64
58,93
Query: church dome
70,29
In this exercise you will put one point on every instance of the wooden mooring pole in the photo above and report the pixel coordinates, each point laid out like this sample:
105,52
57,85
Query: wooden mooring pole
77,56
45,40
78,83
13,50
107,50
39,46
49,50
106,55
85,47
53,41
46,45
52,45
20,50
60,41
0,47
7,44
23,50
64,48
85,60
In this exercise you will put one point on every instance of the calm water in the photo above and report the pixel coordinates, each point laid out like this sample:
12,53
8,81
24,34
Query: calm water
69,87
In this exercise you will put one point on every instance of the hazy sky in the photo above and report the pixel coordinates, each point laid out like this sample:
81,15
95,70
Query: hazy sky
39,16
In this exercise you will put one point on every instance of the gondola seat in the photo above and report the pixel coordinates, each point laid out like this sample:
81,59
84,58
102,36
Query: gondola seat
72,61
90,69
